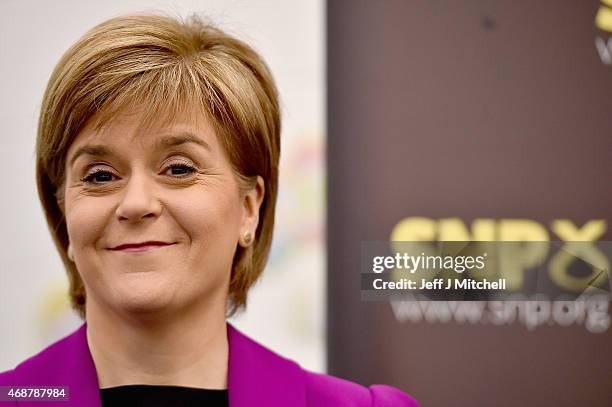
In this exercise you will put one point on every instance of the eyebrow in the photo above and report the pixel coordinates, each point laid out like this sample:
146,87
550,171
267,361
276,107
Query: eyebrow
98,150
94,150
182,138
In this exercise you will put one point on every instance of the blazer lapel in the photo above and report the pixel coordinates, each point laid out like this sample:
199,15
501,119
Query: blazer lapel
259,377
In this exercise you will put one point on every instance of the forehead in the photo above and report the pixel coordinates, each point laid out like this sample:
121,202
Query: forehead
137,129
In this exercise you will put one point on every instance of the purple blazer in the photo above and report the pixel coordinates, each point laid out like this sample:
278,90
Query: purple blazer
256,377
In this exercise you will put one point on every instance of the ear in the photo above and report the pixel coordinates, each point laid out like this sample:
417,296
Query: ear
70,253
251,202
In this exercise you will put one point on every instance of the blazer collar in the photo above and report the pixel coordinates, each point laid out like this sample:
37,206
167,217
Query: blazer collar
256,375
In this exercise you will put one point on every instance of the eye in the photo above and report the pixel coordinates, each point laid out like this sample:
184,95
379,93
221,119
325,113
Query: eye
98,176
180,169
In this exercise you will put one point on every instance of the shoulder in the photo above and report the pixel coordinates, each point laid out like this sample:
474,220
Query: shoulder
267,378
7,378
57,363
330,390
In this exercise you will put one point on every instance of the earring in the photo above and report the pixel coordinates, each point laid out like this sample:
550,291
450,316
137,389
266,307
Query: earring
247,238
70,253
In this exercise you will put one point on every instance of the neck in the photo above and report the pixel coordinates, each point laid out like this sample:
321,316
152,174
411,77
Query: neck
189,350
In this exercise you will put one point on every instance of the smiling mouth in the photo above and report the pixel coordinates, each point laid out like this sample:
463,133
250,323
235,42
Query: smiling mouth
141,247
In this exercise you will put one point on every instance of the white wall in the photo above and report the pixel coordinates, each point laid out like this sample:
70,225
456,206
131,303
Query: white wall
286,308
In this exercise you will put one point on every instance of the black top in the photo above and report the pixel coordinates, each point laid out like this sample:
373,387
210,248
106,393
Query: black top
137,395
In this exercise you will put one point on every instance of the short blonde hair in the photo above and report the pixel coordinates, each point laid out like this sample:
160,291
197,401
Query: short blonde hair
166,66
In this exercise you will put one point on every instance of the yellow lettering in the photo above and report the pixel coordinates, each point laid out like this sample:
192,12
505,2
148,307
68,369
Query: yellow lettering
578,248
453,230
516,259
576,251
566,230
414,229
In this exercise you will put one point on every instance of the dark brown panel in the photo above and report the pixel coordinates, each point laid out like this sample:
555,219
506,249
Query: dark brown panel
468,109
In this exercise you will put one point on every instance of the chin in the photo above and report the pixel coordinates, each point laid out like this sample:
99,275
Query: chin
143,295
141,304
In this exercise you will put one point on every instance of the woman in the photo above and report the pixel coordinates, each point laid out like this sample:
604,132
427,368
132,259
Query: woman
157,167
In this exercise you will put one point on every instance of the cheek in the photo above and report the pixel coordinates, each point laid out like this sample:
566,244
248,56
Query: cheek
210,218
86,218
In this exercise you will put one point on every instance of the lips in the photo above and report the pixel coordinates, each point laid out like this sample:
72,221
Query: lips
139,247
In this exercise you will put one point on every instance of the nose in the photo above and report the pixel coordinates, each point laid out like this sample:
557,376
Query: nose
138,201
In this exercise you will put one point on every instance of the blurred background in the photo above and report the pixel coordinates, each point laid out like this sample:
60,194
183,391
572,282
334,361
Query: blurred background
470,120
421,120
287,306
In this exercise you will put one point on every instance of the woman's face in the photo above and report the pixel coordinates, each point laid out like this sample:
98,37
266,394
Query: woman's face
172,189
